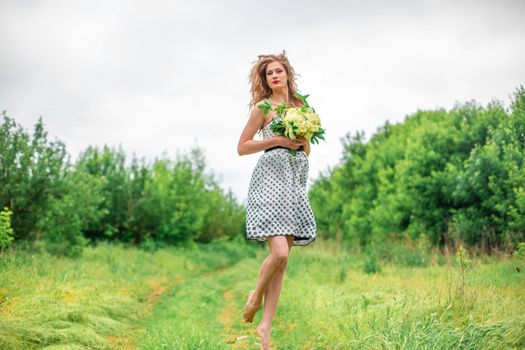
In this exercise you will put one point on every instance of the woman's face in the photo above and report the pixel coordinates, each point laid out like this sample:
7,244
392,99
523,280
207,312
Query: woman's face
276,76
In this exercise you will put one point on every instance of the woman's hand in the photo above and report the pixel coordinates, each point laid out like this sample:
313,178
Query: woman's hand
302,140
289,143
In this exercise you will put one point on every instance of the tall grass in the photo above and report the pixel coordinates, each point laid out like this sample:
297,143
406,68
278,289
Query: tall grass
329,301
401,307
109,298
97,301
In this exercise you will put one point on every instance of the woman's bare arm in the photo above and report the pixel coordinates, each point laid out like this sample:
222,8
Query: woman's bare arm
247,145
306,146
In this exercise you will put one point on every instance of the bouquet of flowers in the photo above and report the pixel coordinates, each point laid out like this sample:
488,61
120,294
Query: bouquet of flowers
295,121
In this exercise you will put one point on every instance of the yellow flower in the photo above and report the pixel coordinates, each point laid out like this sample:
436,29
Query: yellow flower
304,119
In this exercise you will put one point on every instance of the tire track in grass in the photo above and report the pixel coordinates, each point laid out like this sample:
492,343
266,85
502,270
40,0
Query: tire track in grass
118,342
199,288
237,333
127,343
222,284
229,314
159,289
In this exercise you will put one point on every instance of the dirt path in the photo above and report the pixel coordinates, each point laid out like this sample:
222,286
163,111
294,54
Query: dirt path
160,288
236,334
126,343
229,315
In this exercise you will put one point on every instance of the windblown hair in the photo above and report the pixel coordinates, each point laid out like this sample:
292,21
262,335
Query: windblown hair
259,85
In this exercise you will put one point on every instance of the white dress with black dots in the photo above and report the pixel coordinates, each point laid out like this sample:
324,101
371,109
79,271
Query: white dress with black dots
277,202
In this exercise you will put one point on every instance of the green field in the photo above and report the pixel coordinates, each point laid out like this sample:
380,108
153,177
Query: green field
114,297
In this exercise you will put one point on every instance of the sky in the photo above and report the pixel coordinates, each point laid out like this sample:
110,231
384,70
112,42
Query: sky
161,77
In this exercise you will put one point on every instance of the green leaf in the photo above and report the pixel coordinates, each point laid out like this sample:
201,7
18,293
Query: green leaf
303,98
266,106
280,109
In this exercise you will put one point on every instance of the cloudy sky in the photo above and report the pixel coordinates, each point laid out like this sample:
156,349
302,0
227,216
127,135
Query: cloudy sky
160,76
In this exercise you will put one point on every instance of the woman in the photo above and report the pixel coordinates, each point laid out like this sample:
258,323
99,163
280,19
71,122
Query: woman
277,206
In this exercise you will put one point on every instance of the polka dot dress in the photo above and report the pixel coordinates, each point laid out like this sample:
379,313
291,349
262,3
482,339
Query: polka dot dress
277,202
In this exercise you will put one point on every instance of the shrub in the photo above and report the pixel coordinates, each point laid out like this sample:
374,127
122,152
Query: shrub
371,262
6,232
71,212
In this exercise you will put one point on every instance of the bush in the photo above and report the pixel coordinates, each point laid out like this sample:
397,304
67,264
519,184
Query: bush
437,172
6,232
31,170
371,261
71,212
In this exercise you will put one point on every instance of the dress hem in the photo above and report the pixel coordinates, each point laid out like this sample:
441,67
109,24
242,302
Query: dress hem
308,240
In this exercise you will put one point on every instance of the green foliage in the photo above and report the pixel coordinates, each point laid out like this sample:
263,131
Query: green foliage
102,197
6,232
71,211
302,98
109,165
331,193
489,190
519,253
171,202
462,259
31,170
449,176
371,261
266,106
174,203
464,263
404,252
223,216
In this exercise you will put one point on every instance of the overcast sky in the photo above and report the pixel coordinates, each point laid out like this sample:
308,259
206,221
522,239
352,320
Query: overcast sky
162,76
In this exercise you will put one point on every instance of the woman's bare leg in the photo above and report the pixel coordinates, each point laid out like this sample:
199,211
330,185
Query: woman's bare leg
271,298
278,256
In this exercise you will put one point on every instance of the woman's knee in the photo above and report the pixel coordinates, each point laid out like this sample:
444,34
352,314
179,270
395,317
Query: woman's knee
279,249
282,266
281,257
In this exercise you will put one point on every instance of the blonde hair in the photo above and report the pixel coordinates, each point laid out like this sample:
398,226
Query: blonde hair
259,86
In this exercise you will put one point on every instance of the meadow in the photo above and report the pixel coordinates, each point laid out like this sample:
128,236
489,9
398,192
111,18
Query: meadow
117,297
113,252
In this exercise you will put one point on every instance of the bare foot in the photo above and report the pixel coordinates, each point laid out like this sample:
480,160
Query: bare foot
264,333
251,307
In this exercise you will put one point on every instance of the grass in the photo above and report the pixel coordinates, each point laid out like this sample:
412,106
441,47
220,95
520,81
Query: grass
113,297
328,302
98,301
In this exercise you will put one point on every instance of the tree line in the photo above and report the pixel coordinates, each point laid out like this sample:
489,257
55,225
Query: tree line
440,176
446,176
64,205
